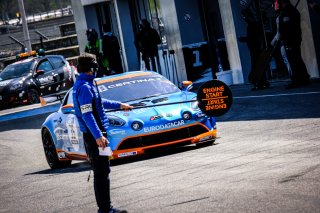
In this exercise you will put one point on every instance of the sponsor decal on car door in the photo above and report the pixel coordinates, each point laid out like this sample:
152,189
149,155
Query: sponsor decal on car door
47,80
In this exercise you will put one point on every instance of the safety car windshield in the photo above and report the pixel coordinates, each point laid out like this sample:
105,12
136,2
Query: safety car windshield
16,70
141,87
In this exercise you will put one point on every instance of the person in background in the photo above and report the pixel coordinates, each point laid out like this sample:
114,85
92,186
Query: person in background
147,42
90,111
278,44
254,41
291,35
111,51
94,47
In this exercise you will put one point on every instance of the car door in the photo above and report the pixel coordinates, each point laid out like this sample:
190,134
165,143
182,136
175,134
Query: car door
46,80
72,135
60,71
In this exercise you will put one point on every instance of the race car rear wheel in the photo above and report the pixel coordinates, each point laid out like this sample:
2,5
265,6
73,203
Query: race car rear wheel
33,96
51,152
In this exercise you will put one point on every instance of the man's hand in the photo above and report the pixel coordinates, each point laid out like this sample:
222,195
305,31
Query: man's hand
102,142
126,107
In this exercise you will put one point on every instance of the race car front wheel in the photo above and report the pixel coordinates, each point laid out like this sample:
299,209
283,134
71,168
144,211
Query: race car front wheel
51,153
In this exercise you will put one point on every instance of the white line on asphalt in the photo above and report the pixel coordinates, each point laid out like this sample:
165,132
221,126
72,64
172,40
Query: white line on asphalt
277,95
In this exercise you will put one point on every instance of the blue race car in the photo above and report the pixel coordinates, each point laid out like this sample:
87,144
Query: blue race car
163,115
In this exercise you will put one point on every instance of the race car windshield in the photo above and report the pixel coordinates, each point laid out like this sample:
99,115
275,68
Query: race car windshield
16,71
141,87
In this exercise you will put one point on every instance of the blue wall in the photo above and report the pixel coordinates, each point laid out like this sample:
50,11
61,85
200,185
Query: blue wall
189,19
128,35
91,18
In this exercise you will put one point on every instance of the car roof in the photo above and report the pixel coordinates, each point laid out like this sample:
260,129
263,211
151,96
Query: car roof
34,58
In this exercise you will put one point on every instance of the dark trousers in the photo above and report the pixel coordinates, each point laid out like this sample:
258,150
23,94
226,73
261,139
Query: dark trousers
101,170
299,71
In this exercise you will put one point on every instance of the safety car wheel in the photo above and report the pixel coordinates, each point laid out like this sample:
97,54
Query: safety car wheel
51,152
207,143
33,96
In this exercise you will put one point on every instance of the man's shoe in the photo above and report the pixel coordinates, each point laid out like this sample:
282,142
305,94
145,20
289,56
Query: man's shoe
293,85
115,210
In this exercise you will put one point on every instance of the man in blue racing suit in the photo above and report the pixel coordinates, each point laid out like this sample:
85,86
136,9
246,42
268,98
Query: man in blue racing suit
93,122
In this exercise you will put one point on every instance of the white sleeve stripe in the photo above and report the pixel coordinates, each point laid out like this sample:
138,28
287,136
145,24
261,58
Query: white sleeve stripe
86,108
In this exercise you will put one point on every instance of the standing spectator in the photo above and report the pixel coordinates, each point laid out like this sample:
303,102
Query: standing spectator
254,41
94,47
147,42
291,35
278,45
111,51
93,122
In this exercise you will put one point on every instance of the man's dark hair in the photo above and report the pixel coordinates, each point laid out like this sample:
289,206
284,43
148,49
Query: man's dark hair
86,62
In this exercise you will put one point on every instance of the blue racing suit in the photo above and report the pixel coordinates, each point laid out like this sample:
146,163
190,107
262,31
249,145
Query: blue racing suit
89,109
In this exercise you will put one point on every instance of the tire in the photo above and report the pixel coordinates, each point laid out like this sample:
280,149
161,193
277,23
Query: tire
33,96
51,152
204,144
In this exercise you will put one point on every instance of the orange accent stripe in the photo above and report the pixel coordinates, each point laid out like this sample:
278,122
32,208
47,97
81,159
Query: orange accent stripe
67,106
161,131
122,77
72,155
214,98
212,133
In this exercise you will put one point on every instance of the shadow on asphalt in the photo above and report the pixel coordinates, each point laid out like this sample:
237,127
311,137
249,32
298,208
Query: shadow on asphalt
74,168
81,166
33,122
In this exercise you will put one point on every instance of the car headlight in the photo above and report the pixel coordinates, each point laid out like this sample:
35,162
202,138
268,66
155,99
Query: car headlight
186,115
15,86
115,121
136,125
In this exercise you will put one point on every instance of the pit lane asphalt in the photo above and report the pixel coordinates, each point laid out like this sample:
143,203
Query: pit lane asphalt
267,159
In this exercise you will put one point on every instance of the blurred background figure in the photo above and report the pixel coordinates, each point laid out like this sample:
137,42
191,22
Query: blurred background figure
255,42
291,35
146,42
111,52
94,47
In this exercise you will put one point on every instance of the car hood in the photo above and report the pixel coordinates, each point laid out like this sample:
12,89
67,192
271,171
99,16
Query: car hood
148,110
6,83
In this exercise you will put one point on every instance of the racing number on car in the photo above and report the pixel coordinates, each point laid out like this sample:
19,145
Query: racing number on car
73,132
215,98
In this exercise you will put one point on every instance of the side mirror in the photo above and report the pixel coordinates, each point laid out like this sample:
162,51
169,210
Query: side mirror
67,109
39,72
186,85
